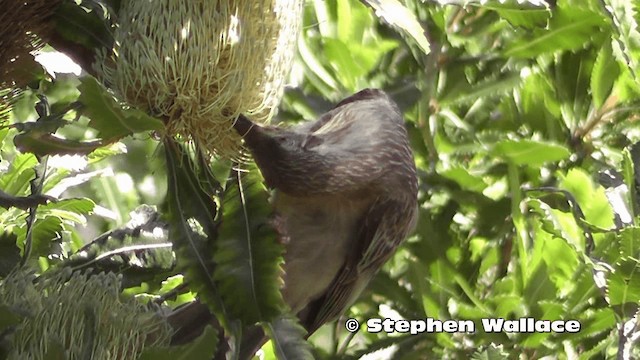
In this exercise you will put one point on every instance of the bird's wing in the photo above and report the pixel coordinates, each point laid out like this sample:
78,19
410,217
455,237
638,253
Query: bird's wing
382,229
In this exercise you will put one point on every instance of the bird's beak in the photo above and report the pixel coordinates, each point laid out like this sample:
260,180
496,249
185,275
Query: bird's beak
243,125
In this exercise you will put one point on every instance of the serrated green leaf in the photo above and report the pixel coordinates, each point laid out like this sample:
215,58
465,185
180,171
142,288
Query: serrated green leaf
596,321
192,229
108,117
550,222
603,75
248,255
623,284
530,152
569,29
625,25
629,242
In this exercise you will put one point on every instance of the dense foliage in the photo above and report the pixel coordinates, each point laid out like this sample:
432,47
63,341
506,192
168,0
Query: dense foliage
522,118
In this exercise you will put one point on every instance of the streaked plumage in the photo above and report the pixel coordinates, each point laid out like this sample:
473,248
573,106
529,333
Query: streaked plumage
345,198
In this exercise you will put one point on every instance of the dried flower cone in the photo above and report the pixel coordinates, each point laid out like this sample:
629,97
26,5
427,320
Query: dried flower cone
23,25
199,64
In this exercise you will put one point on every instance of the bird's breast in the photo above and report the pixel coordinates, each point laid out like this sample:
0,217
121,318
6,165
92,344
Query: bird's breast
320,232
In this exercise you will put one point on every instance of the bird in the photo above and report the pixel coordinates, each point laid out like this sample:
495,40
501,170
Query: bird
345,196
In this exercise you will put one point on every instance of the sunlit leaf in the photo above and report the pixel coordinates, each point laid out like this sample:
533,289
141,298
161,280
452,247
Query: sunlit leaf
569,29
592,199
530,152
108,117
625,24
623,285
394,13
605,72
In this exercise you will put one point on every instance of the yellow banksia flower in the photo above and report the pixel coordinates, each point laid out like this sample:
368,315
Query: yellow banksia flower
199,64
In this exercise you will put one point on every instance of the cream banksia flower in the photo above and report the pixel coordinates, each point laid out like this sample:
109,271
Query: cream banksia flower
199,64
83,314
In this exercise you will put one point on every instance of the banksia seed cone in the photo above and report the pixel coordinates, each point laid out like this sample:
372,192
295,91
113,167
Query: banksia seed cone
199,64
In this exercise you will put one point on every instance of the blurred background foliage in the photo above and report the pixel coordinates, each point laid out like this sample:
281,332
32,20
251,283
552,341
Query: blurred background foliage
522,117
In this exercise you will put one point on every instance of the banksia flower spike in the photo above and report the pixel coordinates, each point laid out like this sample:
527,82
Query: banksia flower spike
81,313
199,64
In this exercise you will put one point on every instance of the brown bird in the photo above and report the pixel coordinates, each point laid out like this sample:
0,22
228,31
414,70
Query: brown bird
345,196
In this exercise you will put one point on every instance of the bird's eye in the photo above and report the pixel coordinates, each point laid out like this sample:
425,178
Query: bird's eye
281,139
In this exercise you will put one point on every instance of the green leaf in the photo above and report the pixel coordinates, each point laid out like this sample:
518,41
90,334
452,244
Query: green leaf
192,229
592,200
539,287
491,352
623,284
341,59
68,209
77,205
629,242
203,347
507,305
401,19
530,152
625,24
16,180
527,15
569,29
603,75
44,232
501,84
287,338
87,28
630,171
108,117
316,72
248,255
47,144
465,179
